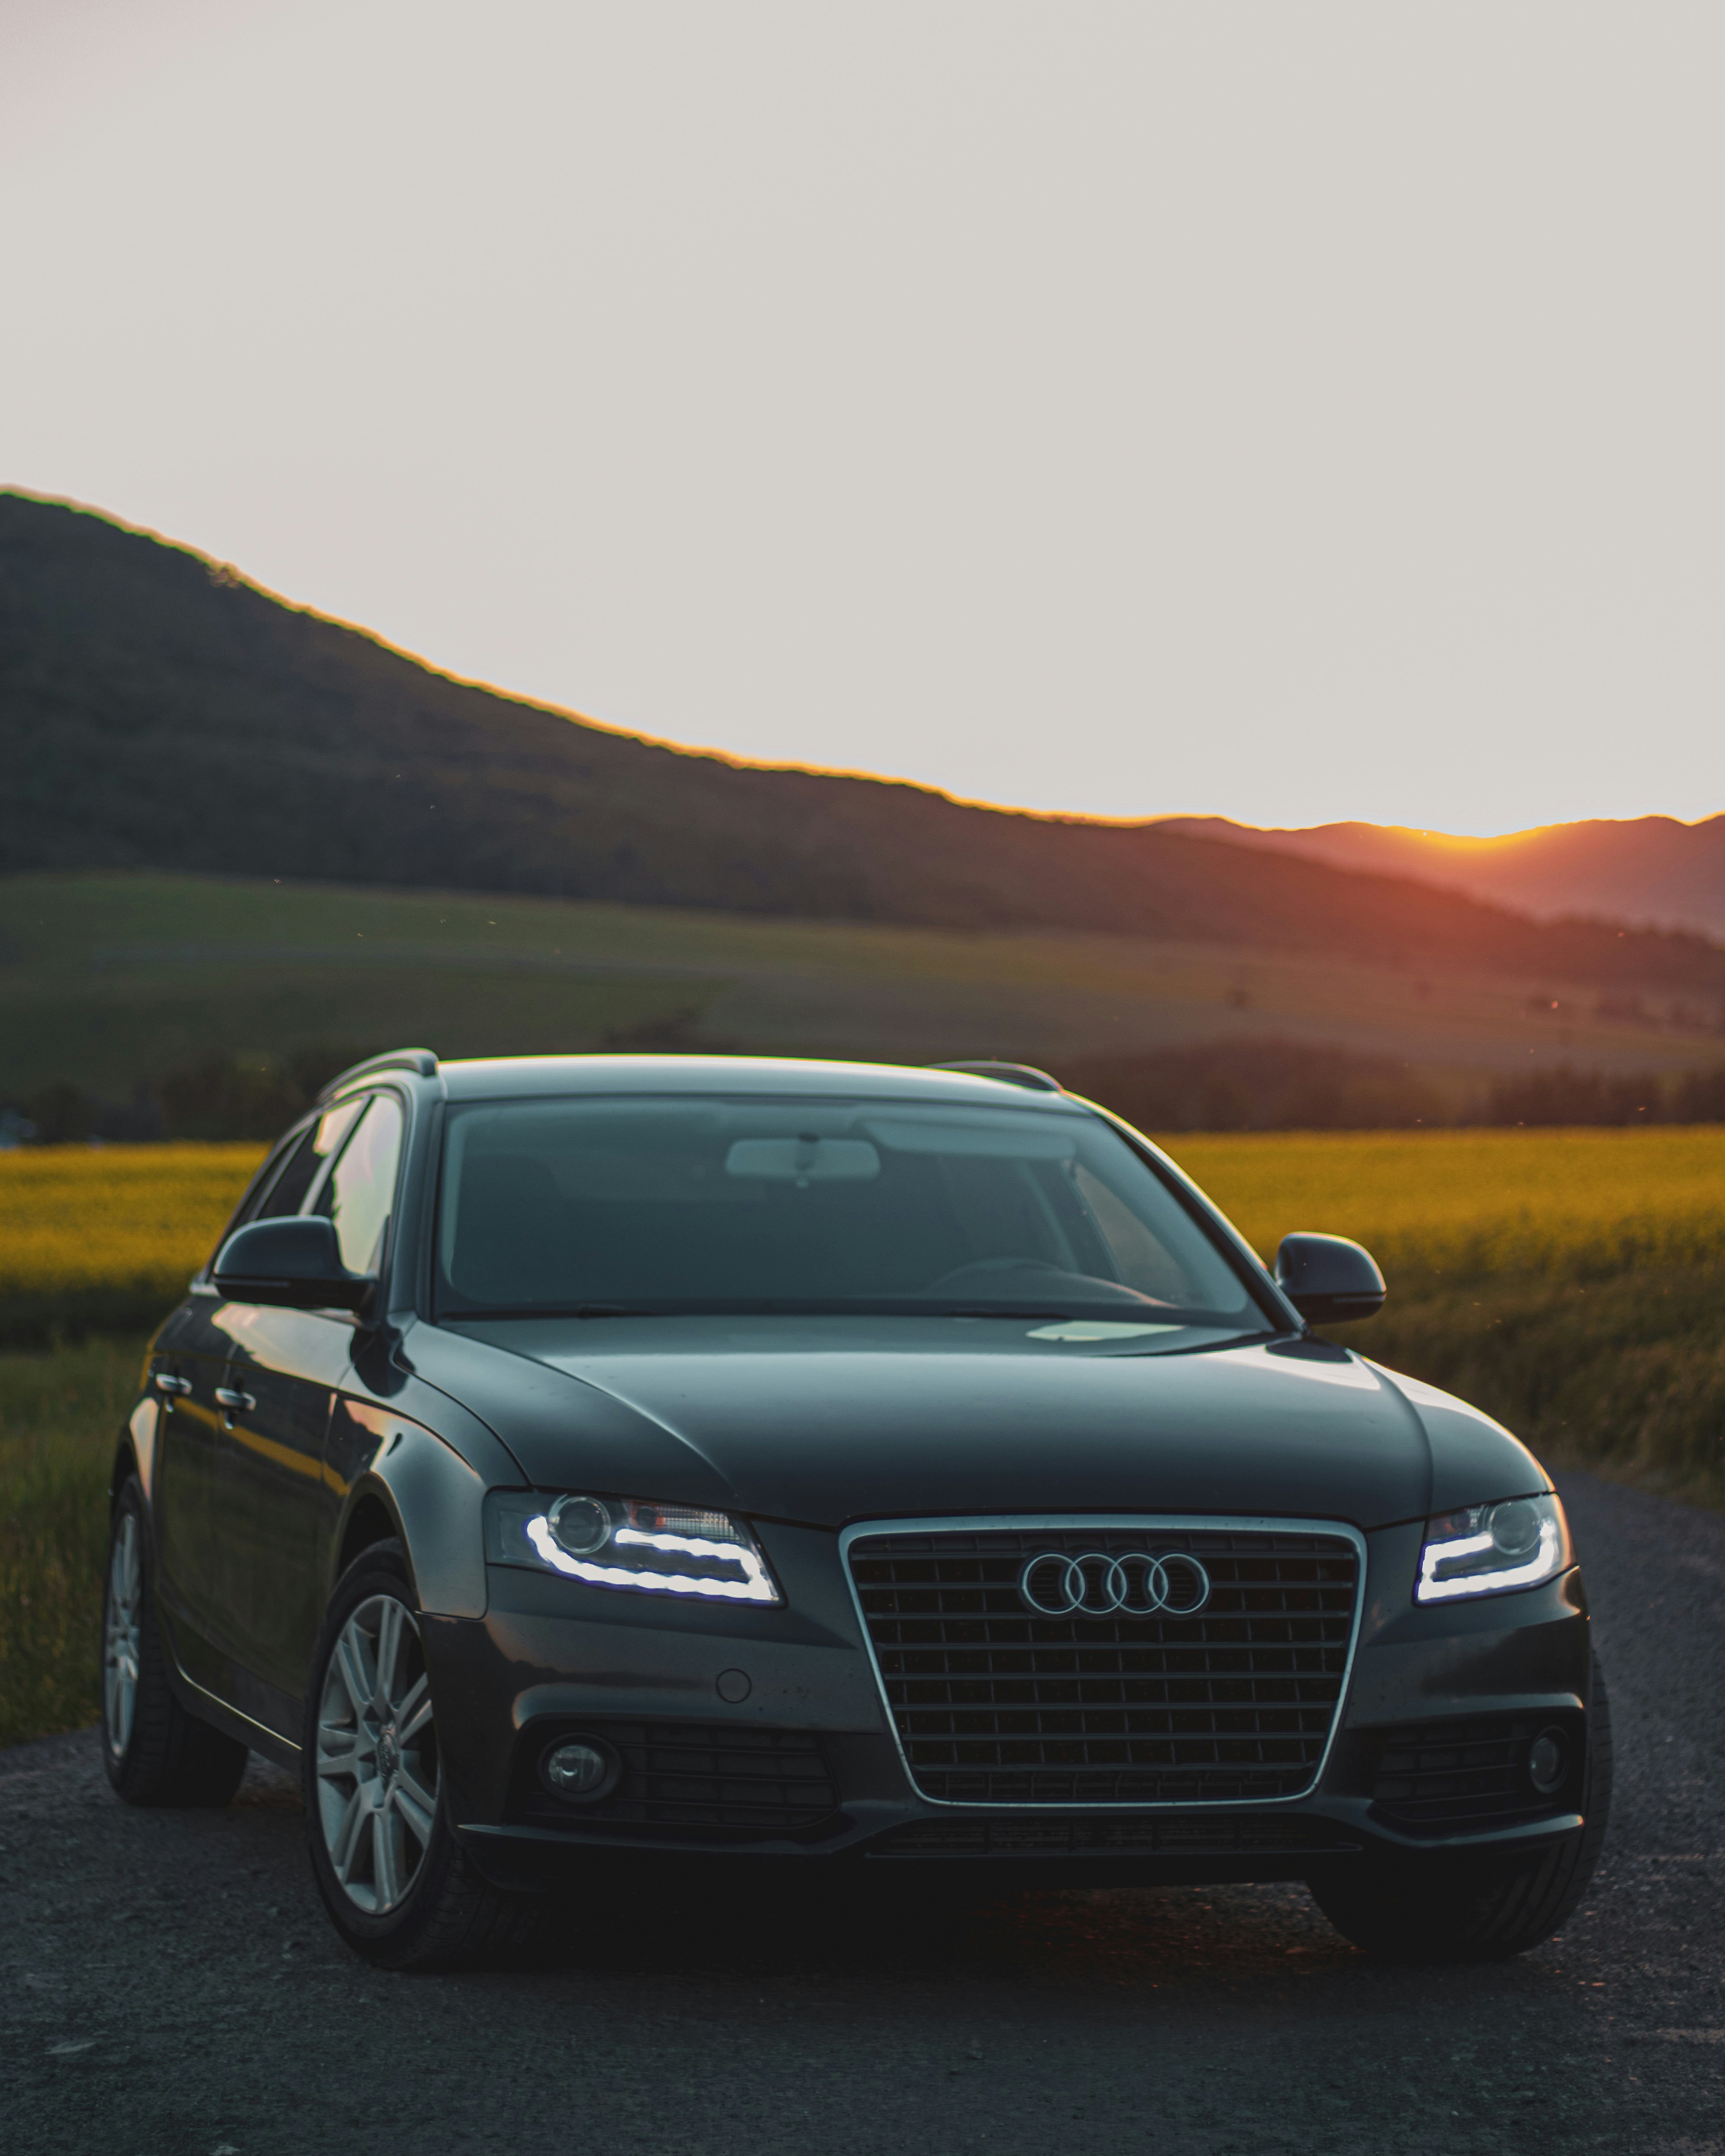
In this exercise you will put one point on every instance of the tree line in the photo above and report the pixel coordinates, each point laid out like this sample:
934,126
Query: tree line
1245,1084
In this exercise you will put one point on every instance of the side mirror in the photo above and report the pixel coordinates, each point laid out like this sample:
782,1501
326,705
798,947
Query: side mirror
295,1264
1329,1280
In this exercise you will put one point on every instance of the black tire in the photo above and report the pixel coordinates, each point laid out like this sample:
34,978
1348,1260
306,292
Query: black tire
166,1756
1478,1908
446,1916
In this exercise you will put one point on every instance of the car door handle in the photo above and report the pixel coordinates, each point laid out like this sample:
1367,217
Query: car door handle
176,1388
236,1403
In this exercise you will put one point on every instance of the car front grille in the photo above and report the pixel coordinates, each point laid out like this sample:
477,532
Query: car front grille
702,1780
1462,1777
996,1704
1222,1834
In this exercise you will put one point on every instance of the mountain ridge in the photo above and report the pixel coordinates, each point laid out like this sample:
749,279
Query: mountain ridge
1643,871
157,708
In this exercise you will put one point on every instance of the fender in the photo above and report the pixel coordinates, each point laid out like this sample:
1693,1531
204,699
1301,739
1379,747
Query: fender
382,1466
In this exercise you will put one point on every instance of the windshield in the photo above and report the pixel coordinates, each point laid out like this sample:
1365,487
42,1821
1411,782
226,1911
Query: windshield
678,1204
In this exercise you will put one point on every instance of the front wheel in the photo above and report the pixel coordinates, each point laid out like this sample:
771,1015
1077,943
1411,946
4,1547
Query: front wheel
393,1876
1477,1908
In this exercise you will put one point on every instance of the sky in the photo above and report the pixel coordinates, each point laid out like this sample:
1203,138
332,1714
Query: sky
1291,413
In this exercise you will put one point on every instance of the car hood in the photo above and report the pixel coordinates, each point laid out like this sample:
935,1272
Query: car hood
825,1421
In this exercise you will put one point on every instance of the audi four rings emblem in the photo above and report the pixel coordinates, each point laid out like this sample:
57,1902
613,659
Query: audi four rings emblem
1133,1584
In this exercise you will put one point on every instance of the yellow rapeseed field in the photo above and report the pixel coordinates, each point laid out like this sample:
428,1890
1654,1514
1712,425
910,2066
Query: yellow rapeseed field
1444,1206
1437,1206
77,1218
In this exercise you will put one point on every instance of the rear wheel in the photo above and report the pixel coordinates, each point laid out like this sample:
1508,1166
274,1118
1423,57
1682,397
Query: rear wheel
155,1752
1477,1908
393,1878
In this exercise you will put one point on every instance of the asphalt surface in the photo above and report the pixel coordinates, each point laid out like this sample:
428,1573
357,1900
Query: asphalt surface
170,1987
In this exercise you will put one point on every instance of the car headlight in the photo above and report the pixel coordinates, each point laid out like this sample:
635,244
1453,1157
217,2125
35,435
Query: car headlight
1492,1549
632,1543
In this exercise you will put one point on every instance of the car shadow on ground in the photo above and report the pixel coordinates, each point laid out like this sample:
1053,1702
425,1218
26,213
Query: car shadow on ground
858,2009
707,1918
720,1920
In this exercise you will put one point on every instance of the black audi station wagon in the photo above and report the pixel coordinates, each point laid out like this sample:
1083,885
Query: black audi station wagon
838,1464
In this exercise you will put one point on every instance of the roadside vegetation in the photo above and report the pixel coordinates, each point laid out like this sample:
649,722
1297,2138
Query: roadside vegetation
104,1238
1567,1281
1442,1210
60,1412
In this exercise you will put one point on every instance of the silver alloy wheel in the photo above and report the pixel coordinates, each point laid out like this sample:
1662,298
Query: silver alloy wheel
376,1756
121,1640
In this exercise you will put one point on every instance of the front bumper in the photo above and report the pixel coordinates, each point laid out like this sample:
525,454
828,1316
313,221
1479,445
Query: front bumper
774,1719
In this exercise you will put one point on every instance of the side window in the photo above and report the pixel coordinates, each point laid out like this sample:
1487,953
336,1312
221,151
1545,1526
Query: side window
287,1193
360,1188
280,1185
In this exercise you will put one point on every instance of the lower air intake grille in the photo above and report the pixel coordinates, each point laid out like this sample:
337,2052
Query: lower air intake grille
1462,1777
1224,1834
996,1704
705,1780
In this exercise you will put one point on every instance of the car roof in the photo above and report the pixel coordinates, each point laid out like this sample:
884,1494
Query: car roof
504,1077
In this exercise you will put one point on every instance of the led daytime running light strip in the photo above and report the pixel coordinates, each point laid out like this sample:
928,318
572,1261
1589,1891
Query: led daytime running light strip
1537,1566
755,1586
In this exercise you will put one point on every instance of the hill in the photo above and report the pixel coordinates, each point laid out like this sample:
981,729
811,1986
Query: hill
112,983
157,710
1645,871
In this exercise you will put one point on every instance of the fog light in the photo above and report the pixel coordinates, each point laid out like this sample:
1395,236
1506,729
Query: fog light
1547,1760
580,1770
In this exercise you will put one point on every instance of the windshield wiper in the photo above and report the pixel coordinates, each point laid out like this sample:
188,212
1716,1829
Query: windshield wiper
989,1310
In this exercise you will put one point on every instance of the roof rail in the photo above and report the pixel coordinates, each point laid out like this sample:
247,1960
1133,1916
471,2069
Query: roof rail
1010,1074
419,1060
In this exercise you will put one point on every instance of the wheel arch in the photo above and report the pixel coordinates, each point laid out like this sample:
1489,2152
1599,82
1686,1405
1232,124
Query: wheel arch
370,1519
134,1451
126,1468
417,1490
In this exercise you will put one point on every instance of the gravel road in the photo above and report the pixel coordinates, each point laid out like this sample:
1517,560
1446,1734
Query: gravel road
170,1987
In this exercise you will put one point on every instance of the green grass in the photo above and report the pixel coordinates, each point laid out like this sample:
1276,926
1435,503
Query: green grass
107,980
60,1415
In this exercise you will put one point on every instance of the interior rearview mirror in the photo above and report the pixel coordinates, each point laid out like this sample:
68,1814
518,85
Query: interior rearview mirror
1329,1280
295,1264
